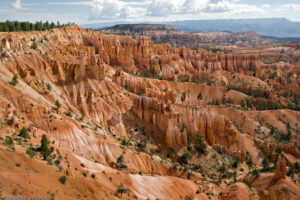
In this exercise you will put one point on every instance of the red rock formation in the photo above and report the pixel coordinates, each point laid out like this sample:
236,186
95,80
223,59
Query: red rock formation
280,172
104,112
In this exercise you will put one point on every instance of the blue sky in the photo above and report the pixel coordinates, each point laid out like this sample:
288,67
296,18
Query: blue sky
92,11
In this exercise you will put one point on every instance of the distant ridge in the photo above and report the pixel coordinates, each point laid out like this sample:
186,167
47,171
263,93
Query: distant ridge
276,27
140,29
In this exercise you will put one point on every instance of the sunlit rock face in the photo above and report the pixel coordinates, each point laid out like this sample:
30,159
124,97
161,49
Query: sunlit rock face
164,122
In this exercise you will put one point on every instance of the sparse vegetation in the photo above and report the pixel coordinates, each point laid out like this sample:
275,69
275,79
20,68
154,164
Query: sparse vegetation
185,157
183,96
121,189
249,161
57,104
24,133
9,140
45,150
31,153
266,163
200,146
14,80
63,179
199,97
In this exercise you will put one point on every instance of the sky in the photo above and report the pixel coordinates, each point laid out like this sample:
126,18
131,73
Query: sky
97,11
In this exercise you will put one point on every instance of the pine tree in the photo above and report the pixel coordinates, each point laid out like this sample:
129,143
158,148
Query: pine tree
23,133
45,150
248,102
52,25
46,25
15,80
249,162
58,105
266,163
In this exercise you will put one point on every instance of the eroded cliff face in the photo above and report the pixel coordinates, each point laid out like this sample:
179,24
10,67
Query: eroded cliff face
126,113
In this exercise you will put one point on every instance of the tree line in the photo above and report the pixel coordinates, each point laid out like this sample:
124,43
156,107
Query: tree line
16,26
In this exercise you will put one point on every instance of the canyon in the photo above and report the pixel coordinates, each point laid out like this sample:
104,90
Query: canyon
128,118
210,40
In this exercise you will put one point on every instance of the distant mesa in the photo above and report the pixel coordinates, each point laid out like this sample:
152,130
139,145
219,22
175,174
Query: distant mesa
140,29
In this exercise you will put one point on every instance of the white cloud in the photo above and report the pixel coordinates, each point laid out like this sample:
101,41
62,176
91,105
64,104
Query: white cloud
117,9
16,4
233,7
162,9
71,3
195,5
290,7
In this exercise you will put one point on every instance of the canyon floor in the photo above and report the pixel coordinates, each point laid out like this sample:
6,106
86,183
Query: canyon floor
126,118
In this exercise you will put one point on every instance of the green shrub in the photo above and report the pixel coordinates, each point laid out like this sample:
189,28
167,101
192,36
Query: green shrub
249,162
33,45
199,97
11,121
266,163
49,87
201,145
23,133
185,157
14,80
256,173
121,189
236,163
278,151
183,97
63,179
125,142
31,153
223,168
9,140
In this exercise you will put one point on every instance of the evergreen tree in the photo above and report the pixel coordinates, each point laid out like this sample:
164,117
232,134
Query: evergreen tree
52,25
47,25
243,104
249,162
58,105
18,26
45,150
200,146
12,26
266,163
32,27
15,80
23,133
39,26
248,102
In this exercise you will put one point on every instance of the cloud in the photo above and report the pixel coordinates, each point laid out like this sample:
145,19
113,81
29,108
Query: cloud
16,4
117,9
290,7
162,9
71,3
233,7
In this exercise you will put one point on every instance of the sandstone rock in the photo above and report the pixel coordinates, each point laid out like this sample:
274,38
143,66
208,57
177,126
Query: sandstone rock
280,172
